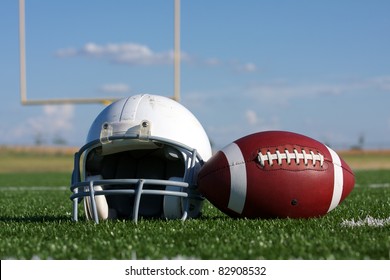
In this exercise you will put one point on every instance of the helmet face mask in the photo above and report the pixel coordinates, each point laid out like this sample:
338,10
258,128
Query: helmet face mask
134,167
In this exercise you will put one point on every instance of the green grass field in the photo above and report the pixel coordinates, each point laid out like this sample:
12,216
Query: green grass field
35,224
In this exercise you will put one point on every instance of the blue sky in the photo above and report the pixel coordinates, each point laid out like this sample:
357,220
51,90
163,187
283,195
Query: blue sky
320,68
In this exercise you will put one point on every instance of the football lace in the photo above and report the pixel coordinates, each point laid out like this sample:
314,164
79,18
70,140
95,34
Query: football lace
294,156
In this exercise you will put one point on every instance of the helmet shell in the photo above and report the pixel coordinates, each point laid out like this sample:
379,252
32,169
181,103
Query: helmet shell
166,118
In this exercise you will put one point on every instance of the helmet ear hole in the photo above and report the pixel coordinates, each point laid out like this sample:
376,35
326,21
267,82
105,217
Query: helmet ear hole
175,207
172,205
172,153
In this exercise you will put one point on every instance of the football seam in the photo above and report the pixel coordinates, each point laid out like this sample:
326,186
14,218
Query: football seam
346,169
261,168
222,168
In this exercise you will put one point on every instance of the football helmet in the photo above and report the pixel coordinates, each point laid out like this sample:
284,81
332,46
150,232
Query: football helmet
141,159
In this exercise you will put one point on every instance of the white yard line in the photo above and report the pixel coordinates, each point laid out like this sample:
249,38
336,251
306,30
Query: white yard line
368,221
374,185
384,185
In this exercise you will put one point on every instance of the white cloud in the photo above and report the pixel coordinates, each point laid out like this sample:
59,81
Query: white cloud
248,123
247,67
126,53
281,92
139,54
382,82
251,117
115,88
212,62
53,122
68,52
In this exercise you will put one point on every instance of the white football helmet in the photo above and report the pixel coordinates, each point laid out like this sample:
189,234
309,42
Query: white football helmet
141,159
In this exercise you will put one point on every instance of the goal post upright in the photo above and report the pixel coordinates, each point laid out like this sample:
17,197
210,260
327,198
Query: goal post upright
176,94
22,53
